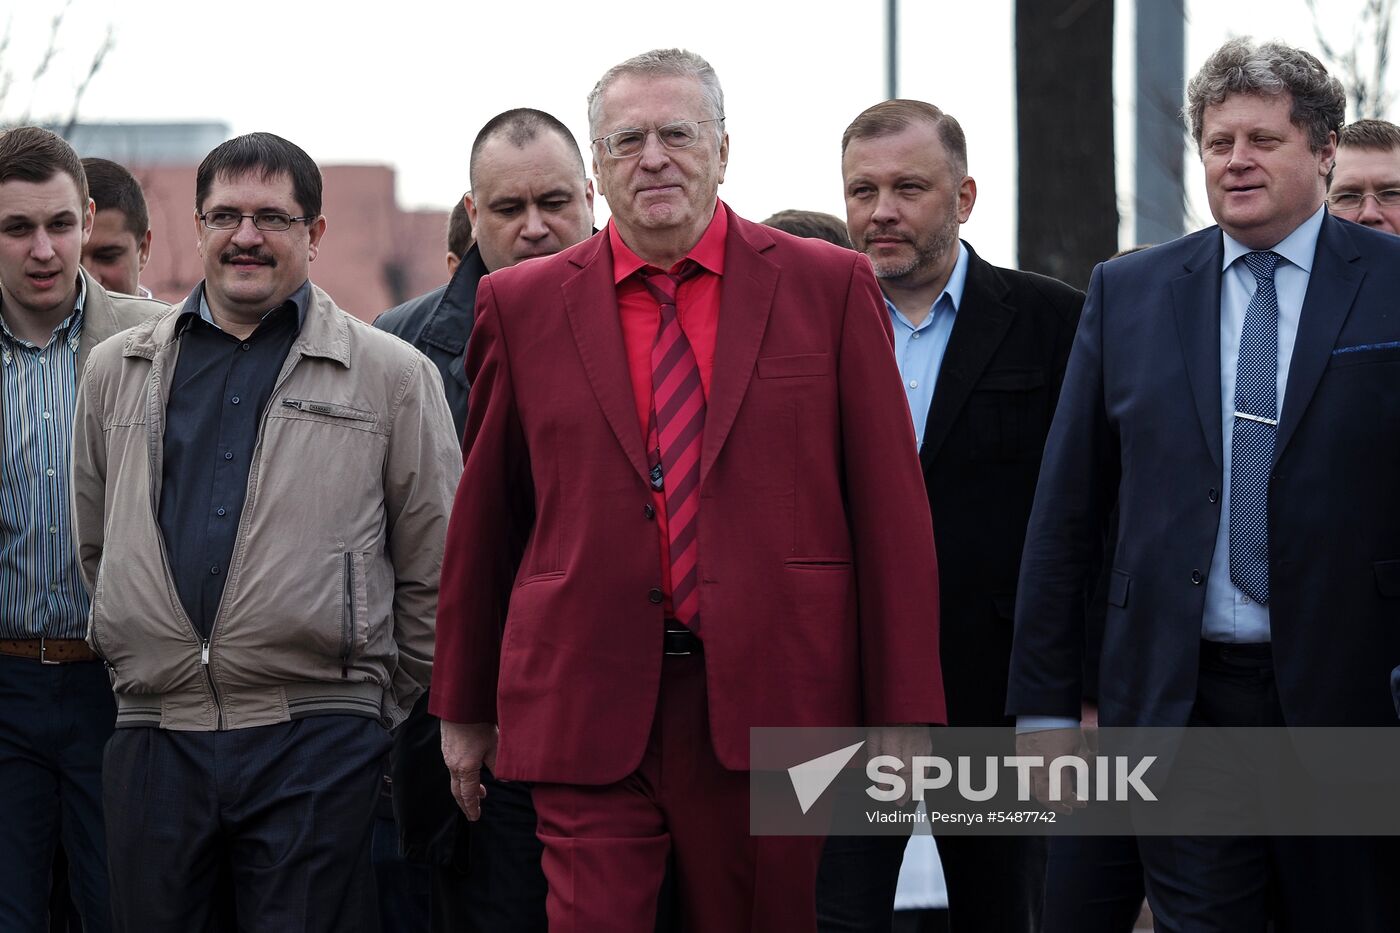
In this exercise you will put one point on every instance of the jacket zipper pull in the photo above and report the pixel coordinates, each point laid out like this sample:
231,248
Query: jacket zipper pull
204,652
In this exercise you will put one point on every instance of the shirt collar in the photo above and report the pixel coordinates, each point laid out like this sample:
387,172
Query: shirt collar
1298,247
953,291
708,252
197,304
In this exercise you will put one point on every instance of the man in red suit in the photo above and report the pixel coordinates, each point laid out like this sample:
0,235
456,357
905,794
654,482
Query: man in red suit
692,506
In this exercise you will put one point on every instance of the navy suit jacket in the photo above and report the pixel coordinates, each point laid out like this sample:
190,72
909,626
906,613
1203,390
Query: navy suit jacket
1138,423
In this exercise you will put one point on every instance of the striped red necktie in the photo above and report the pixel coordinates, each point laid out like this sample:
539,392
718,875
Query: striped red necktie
674,433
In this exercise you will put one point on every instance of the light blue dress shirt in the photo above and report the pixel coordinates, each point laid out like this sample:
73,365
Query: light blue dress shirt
1231,616
920,350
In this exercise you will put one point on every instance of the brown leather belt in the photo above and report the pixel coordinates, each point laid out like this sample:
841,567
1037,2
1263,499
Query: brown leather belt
49,650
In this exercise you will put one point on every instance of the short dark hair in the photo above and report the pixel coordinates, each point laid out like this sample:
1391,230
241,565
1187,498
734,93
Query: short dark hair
895,116
459,230
269,155
31,153
112,187
1378,135
520,127
1268,69
812,224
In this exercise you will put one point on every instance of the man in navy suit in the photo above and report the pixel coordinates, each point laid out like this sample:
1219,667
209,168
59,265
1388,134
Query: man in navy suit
1237,394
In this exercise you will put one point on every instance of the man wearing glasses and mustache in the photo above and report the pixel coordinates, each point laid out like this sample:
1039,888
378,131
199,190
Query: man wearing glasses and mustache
261,487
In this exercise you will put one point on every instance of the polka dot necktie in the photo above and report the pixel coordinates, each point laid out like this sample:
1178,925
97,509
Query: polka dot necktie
675,427
1256,423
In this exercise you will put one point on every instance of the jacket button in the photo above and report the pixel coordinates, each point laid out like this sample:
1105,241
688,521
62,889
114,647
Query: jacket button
654,594
649,511
1213,496
1196,577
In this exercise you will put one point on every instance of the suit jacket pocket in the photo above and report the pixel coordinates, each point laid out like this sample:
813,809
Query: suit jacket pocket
1008,414
1010,380
787,367
1361,354
1388,578
1118,582
817,563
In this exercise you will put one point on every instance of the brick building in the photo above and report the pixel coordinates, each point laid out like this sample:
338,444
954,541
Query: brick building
373,256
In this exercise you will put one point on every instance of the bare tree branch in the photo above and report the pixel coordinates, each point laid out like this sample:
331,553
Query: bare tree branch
46,59
108,41
47,69
6,75
1362,64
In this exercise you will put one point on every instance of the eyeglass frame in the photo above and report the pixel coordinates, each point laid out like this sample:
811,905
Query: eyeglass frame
1363,196
656,130
306,219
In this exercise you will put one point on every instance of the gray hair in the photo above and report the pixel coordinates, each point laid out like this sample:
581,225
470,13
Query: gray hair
659,62
1241,66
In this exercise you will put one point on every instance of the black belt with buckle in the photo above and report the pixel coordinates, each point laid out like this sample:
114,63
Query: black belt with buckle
680,641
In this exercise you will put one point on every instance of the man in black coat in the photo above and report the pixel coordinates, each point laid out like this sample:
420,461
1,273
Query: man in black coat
529,197
982,351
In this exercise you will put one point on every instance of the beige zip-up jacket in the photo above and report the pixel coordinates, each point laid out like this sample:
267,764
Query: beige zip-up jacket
332,587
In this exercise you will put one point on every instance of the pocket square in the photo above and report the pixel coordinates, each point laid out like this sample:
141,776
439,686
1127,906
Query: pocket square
1361,347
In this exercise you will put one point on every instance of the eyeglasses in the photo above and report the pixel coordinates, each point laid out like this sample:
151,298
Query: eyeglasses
266,221
679,135
1349,201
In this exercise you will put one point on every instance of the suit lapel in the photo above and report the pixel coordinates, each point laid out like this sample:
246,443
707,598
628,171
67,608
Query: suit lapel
1332,287
981,324
590,299
746,299
1196,301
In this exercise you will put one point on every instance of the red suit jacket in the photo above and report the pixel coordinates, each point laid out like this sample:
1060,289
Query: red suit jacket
818,596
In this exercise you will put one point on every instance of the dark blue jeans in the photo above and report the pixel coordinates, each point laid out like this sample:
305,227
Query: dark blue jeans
285,810
54,720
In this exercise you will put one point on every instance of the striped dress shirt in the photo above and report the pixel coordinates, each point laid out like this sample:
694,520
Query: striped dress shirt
41,588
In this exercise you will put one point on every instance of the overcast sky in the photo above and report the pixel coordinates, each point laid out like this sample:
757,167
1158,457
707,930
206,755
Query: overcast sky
409,83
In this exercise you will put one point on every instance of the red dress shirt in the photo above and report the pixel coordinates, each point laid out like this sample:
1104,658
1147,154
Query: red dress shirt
697,307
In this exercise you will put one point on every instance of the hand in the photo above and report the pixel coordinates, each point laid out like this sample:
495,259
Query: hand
1089,723
465,748
1049,744
903,742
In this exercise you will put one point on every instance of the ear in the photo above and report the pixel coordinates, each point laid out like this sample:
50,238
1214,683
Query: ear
143,251
316,231
470,205
198,233
89,217
967,197
596,173
1327,157
588,198
723,156
453,261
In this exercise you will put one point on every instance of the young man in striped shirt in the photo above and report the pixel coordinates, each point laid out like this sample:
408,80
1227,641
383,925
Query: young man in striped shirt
56,708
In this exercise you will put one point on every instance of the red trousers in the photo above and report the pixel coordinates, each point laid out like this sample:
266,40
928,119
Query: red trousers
606,848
